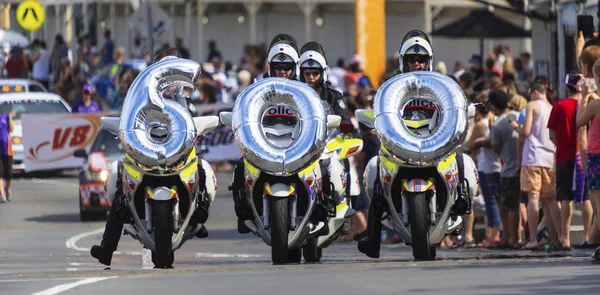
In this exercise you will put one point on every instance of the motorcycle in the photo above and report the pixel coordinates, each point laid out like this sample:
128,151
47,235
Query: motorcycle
416,183
282,149
165,196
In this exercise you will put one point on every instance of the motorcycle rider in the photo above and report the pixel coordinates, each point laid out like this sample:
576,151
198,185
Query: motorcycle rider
115,220
313,71
283,61
416,54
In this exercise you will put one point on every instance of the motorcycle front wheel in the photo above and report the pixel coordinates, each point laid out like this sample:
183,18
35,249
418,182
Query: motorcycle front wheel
162,256
280,216
419,227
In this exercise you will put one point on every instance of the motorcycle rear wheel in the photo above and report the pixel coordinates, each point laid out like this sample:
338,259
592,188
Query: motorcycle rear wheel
419,227
280,217
162,256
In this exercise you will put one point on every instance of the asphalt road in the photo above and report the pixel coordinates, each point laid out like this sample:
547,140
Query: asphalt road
44,250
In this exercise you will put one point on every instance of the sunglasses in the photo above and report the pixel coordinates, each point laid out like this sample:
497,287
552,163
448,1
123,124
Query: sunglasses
417,59
86,92
312,73
283,67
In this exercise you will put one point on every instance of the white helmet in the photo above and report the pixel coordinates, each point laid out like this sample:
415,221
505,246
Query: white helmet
313,60
283,53
417,43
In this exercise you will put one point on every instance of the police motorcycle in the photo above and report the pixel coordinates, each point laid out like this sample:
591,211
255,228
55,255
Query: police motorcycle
282,128
167,196
417,191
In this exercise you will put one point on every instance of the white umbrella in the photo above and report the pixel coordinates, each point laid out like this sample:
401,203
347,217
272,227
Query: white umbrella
13,38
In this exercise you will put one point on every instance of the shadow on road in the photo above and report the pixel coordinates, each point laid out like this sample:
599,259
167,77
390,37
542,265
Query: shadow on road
63,218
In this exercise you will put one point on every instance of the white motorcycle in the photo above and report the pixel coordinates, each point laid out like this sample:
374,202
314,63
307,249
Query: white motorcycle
167,196
283,174
416,185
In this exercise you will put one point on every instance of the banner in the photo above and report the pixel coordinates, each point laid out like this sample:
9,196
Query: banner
370,37
220,142
50,140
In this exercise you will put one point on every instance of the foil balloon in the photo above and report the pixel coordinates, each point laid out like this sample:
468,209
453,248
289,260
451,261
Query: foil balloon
248,112
451,127
155,127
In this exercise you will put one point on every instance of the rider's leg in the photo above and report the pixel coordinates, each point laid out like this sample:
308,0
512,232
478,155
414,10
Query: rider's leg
111,236
371,245
114,224
237,188
204,182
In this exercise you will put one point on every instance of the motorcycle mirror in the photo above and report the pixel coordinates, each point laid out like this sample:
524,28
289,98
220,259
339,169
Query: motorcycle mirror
333,121
205,124
366,117
226,118
110,124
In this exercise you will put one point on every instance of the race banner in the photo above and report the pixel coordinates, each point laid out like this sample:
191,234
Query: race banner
220,142
50,140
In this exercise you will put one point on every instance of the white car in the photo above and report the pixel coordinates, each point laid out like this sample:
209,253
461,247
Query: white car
28,103
20,85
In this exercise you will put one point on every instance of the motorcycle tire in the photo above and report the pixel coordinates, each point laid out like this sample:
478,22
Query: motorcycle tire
280,218
163,231
311,251
419,227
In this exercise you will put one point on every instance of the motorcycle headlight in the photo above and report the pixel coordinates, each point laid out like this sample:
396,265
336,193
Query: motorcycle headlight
103,175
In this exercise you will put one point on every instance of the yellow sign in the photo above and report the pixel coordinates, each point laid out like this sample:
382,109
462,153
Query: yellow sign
31,15
370,37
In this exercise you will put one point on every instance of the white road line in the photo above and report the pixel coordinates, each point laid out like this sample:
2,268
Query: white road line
71,243
36,280
226,255
64,287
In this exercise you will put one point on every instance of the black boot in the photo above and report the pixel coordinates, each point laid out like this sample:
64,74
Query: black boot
202,233
102,254
371,245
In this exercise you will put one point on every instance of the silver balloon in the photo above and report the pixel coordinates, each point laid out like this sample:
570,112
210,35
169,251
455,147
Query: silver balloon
156,128
248,111
394,135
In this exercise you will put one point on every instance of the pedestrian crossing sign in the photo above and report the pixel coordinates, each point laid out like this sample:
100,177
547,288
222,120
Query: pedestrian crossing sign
31,15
